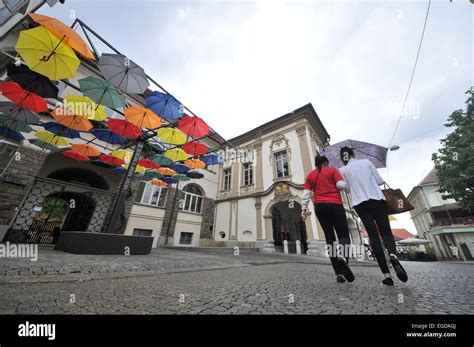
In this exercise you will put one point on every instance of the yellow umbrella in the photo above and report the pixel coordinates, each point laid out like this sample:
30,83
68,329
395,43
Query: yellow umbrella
45,54
391,218
173,136
122,154
176,154
84,106
65,33
195,164
143,117
166,171
51,138
140,169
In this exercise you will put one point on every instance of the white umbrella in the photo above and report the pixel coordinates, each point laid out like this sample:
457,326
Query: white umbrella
413,241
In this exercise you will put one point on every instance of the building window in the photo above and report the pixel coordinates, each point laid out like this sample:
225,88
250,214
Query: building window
7,152
248,174
142,232
154,195
227,178
185,238
281,160
192,199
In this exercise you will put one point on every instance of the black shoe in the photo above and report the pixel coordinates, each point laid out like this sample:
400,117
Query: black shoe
388,281
346,270
399,270
340,279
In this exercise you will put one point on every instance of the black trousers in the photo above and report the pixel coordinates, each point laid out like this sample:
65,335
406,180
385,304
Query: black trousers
373,214
333,217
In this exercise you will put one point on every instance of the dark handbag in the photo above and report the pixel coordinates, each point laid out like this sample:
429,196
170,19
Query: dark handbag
396,200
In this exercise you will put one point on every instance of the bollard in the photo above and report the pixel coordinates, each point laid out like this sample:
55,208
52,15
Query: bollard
285,246
298,247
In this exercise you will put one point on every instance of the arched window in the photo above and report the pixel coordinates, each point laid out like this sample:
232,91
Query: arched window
192,199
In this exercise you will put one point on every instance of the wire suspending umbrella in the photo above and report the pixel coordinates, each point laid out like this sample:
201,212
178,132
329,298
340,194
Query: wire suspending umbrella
171,135
176,154
61,130
195,148
76,156
22,97
71,120
161,159
86,149
164,105
124,128
193,126
51,138
362,150
32,81
108,136
18,113
194,174
142,117
84,106
181,168
102,92
43,145
195,163
14,124
11,134
110,159
212,159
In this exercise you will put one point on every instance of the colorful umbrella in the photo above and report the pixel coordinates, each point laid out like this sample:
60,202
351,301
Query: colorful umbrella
362,150
124,128
71,120
166,171
120,170
195,148
123,73
140,169
51,138
107,136
180,168
153,174
194,174
65,33
176,154
142,117
161,159
32,81
193,126
20,114
102,92
171,135
212,159
45,54
43,145
195,163
86,149
148,164
84,106
110,159
22,97
158,182
14,124
181,177
61,130
11,134
122,154
164,105
75,155
170,180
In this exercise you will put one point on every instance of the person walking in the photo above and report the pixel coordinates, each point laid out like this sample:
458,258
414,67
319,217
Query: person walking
324,184
362,181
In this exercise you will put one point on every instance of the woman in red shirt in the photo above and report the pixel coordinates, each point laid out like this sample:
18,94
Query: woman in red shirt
325,184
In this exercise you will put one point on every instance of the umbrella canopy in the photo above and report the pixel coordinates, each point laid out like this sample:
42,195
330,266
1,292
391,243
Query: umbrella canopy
124,128
123,154
65,33
108,136
102,92
154,174
120,170
181,177
61,130
84,106
71,120
14,124
86,149
171,135
123,73
51,138
212,159
158,182
195,148
11,134
110,159
194,174
362,150
193,126
140,169
166,171
45,54
75,155
161,159
143,117
195,163
176,154
170,180
164,105
180,168
43,145
32,81
413,241
18,113
148,164
22,97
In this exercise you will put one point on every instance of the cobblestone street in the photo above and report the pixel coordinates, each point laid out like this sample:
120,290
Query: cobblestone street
173,281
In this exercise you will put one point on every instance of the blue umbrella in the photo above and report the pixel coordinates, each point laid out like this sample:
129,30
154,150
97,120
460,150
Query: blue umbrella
212,159
164,105
108,136
170,180
11,134
61,130
181,168
194,174
120,170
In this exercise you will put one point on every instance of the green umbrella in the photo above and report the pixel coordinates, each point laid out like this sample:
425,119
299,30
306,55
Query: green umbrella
44,145
161,159
181,177
153,174
102,92
14,124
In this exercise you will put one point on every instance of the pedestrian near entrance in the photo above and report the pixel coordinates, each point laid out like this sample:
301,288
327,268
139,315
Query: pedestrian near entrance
324,184
362,181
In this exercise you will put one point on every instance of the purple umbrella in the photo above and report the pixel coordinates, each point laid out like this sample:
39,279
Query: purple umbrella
362,150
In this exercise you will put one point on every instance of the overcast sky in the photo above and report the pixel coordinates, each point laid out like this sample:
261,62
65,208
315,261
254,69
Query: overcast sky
239,64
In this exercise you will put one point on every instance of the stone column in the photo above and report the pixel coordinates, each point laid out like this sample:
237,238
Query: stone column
269,246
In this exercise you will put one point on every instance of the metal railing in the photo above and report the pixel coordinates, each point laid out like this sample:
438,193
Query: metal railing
468,220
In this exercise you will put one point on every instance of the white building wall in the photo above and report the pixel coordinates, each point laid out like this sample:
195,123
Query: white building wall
146,217
188,223
247,220
222,221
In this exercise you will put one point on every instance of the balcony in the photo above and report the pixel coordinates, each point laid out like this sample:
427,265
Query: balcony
443,222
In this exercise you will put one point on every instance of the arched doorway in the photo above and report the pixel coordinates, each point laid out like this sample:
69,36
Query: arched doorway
288,225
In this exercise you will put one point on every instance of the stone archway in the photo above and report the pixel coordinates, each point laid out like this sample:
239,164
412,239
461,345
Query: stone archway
287,225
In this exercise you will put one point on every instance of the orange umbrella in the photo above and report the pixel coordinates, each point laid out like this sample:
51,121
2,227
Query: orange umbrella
75,156
195,164
166,171
143,117
158,182
85,149
71,120
64,33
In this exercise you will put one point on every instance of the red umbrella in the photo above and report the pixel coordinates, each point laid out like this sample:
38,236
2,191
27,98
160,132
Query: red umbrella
110,159
75,156
124,127
195,148
148,164
22,97
193,126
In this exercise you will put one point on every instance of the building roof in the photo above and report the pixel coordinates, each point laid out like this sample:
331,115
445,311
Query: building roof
398,234
429,179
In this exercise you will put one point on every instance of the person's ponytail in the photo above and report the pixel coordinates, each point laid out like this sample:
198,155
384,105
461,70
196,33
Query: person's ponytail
319,161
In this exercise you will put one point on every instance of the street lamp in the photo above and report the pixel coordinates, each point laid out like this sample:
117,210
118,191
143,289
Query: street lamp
394,148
